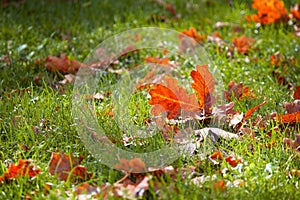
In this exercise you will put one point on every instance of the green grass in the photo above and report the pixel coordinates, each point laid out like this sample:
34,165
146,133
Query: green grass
39,115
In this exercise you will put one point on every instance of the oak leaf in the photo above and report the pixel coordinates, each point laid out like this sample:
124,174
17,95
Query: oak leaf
172,99
22,169
65,166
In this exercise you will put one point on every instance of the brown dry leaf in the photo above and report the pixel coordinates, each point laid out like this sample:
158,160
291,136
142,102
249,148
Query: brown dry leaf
238,91
130,190
292,144
292,107
135,165
62,64
66,167
22,169
172,99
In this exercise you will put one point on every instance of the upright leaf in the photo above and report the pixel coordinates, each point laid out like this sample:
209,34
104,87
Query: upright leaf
204,86
172,99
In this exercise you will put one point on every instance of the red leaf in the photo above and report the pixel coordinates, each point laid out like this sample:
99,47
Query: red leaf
23,168
289,118
296,94
232,161
250,112
62,64
204,86
65,166
172,99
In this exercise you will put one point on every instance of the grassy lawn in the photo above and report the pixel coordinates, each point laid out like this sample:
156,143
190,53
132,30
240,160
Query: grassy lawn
36,108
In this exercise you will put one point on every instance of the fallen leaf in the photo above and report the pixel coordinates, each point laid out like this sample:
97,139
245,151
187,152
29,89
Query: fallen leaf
289,118
242,44
172,99
238,91
250,112
277,59
268,12
204,87
22,169
295,11
62,64
292,107
217,155
131,191
296,94
135,165
220,185
193,34
292,144
65,166
232,161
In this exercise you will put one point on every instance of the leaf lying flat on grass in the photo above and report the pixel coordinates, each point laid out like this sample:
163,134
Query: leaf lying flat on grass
65,166
23,168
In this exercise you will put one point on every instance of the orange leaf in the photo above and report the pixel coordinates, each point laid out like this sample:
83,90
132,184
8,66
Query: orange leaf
243,44
250,112
135,165
289,118
159,61
23,168
65,166
232,161
193,34
220,185
62,64
295,11
269,11
216,155
296,94
204,86
172,99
